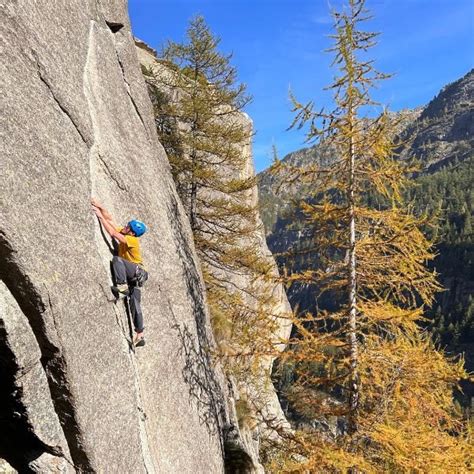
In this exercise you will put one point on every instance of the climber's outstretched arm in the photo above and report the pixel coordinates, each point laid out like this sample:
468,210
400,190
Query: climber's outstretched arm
105,214
108,226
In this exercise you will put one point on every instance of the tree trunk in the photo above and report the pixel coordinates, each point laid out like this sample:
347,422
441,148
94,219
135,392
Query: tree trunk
352,336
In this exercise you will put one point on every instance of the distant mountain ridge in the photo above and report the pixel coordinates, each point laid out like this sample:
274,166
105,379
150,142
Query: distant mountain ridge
275,196
444,131
436,135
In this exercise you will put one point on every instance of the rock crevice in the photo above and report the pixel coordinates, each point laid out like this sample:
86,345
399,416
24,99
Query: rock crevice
68,114
33,309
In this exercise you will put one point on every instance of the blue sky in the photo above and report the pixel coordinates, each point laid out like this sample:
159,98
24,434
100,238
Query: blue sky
279,44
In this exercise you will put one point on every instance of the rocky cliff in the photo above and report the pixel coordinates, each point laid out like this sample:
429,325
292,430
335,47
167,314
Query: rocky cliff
444,131
77,123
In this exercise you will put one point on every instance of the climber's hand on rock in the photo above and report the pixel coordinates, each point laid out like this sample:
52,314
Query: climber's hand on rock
96,203
97,212
102,213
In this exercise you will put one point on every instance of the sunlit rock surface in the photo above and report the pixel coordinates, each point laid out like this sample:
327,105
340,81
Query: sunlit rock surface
76,123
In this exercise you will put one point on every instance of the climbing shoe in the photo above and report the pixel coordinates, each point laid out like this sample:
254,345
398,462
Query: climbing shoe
139,341
121,291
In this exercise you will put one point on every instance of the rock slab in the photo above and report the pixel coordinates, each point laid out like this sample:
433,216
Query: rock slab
76,123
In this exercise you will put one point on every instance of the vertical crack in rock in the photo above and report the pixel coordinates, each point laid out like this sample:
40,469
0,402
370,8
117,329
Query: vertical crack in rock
129,90
66,112
146,453
54,365
94,156
142,423
94,153
142,418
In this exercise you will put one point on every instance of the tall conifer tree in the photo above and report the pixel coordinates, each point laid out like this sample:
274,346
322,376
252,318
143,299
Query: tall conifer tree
206,103
367,362
198,109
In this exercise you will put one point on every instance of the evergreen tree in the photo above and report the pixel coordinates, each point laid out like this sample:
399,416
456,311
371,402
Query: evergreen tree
367,362
198,111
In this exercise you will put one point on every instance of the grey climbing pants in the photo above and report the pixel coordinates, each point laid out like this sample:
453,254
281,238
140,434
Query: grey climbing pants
125,272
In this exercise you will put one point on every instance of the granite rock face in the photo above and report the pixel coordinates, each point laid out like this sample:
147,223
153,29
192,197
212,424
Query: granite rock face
31,424
76,123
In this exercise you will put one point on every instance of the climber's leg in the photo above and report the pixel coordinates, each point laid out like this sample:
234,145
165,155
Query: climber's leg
124,271
135,308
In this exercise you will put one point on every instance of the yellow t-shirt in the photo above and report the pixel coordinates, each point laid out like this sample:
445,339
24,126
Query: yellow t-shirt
131,249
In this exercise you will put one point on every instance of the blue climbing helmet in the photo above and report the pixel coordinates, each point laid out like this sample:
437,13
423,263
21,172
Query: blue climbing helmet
138,227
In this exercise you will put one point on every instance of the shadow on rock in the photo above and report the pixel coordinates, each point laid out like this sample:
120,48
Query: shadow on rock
198,371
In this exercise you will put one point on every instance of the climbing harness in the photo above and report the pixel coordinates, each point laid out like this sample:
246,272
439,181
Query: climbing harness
141,276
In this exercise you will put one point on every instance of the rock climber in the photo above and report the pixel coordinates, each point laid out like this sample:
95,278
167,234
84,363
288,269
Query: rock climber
128,268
